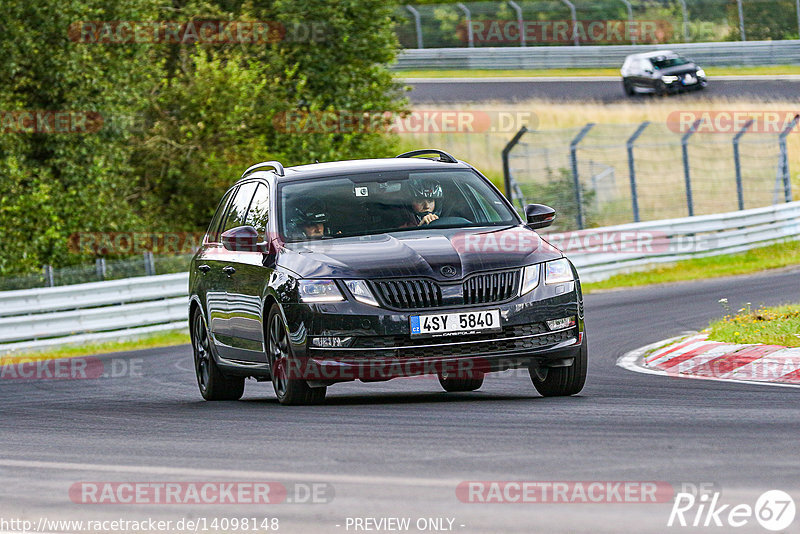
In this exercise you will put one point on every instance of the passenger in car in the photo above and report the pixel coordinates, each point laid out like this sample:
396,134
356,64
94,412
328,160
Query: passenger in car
311,221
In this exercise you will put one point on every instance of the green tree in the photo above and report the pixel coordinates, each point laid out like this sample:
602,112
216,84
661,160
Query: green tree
55,184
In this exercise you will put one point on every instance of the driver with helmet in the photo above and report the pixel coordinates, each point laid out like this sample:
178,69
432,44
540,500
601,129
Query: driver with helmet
424,195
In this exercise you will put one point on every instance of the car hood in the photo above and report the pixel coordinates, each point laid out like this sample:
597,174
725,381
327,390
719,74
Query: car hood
418,253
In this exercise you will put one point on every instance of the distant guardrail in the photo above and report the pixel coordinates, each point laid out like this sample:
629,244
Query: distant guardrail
43,318
612,56
56,316
599,253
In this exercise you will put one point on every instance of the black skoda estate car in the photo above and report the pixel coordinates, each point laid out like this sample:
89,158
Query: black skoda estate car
376,269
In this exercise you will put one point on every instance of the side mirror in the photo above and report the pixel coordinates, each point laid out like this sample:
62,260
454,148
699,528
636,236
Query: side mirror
539,216
241,239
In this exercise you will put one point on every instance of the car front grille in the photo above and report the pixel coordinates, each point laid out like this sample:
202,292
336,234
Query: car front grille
490,287
411,294
408,294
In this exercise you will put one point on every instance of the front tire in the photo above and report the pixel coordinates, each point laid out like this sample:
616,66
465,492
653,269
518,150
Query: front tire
282,364
454,384
214,386
628,88
562,381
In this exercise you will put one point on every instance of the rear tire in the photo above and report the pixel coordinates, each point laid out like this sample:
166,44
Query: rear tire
453,384
290,391
214,386
563,381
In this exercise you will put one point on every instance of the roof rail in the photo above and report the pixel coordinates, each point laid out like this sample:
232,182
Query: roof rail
443,156
275,165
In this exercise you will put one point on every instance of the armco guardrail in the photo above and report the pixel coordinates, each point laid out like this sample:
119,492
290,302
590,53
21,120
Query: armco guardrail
48,317
601,252
56,316
612,56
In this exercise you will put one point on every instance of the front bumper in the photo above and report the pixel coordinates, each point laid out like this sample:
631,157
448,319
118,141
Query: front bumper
381,347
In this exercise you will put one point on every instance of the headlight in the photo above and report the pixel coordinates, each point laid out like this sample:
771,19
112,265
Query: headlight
319,291
361,292
701,73
530,279
558,272
669,79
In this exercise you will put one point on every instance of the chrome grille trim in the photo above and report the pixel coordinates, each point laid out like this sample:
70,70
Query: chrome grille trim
435,345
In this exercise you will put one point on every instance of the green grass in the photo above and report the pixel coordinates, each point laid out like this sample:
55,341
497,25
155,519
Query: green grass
149,341
712,71
770,326
758,259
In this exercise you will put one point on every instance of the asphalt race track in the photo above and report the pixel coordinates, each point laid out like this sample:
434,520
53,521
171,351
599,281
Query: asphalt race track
399,449
604,90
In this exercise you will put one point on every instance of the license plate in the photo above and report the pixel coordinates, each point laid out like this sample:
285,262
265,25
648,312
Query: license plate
689,80
448,324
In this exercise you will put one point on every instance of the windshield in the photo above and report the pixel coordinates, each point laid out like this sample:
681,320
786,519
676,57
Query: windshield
667,62
368,204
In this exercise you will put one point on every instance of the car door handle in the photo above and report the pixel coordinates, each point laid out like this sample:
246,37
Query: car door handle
228,270
203,268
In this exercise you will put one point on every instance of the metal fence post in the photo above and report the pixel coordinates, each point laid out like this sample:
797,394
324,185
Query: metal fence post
784,159
149,264
686,20
741,20
686,174
468,15
48,276
573,155
100,267
520,21
632,169
630,21
738,164
507,165
575,39
797,4
417,24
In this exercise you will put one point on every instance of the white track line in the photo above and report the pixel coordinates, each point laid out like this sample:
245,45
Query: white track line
528,79
233,473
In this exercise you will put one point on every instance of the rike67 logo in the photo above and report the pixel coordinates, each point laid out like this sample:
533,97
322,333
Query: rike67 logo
774,510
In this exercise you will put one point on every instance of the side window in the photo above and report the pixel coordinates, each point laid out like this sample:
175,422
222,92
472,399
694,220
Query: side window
237,211
213,228
258,215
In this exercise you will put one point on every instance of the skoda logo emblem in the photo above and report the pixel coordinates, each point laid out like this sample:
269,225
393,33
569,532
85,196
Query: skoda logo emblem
448,270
